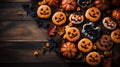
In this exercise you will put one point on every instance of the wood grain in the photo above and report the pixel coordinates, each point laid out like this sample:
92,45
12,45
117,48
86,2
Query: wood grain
10,32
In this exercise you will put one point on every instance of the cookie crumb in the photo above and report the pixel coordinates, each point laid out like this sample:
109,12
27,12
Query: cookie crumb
36,53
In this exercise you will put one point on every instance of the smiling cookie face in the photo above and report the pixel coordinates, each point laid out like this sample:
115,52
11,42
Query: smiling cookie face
72,34
93,14
90,31
115,35
93,58
44,11
59,18
104,43
85,45
109,23
76,19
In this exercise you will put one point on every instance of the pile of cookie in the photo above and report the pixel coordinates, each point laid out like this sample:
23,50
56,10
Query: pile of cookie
83,29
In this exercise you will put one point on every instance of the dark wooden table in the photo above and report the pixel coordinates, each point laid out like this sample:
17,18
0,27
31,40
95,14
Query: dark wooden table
18,47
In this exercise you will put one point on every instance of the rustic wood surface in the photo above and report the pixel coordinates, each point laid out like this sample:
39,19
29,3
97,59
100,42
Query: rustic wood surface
16,47
22,31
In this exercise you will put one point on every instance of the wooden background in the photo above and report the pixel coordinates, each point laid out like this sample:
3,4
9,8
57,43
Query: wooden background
16,47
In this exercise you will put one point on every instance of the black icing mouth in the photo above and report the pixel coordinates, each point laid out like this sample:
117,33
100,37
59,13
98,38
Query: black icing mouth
92,60
44,13
92,15
84,46
118,38
73,36
59,20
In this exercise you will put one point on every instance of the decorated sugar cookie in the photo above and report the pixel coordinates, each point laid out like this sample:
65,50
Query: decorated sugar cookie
93,58
93,14
59,18
76,19
85,45
109,23
72,34
115,35
44,11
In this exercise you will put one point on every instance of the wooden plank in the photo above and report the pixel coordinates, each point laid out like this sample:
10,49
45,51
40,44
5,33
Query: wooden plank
9,11
21,31
15,0
23,53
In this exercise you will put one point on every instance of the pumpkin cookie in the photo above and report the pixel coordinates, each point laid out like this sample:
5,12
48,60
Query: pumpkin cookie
104,43
44,11
69,49
59,18
93,14
93,58
109,23
85,45
72,34
76,19
115,35
90,31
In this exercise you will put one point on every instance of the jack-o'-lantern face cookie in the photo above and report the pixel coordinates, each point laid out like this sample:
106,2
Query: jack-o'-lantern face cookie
44,11
115,35
76,19
104,43
85,45
93,58
109,23
93,14
90,31
59,18
72,34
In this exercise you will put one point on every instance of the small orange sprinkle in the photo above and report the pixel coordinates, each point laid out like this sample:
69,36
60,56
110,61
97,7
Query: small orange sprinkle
48,45
78,8
21,30
70,24
36,53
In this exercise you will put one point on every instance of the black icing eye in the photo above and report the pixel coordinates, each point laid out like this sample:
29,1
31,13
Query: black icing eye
92,10
55,17
74,15
68,33
61,15
106,38
47,9
91,56
74,30
41,9
83,42
97,13
96,56
115,34
89,44
103,41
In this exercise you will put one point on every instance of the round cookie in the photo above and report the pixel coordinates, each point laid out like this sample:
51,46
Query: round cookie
59,18
85,45
93,14
115,35
72,34
104,43
44,11
93,58
109,23
76,19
